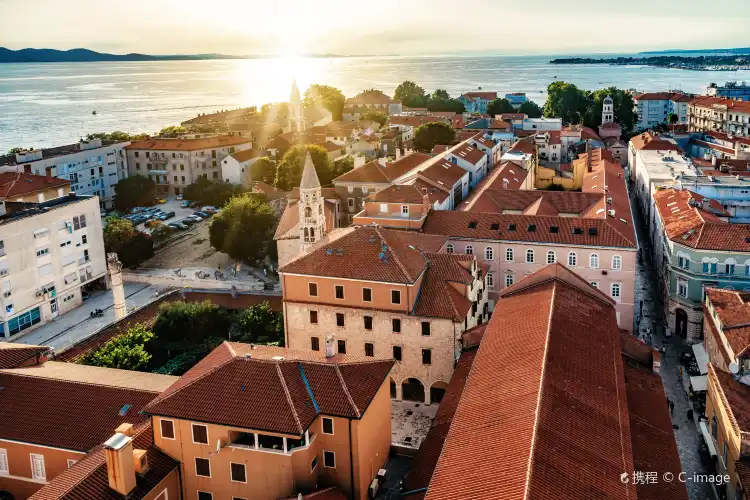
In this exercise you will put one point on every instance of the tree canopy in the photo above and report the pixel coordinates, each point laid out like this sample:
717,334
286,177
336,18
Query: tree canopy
258,324
243,229
131,246
410,94
431,134
574,105
117,135
134,191
329,97
289,171
530,109
500,106
263,170
126,351
172,131
190,322
376,116
210,192
440,100
623,108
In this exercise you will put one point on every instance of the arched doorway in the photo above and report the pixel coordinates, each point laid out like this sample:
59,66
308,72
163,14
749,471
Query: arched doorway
412,390
5,495
680,323
394,394
437,391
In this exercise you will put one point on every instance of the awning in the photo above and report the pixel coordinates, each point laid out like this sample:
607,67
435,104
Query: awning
701,357
707,438
699,383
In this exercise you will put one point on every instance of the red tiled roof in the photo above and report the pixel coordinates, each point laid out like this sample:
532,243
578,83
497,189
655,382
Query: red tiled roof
356,256
736,395
662,96
488,96
276,395
15,355
412,120
437,298
374,172
436,194
469,153
522,146
651,142
728,104
245,155
88,478
50,412
733,311
406,193
513,116
443,173
701,228
221,141
17,184
439,148
544,409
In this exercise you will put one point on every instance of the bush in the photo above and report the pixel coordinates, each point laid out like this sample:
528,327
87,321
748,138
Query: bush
190,322
160,233
431,134
243,229
131,246
258,324
126,351
214,193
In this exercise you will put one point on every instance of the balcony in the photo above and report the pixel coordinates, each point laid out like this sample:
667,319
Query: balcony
270,444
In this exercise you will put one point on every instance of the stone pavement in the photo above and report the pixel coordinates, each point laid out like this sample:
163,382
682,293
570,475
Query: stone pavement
686,432
410,422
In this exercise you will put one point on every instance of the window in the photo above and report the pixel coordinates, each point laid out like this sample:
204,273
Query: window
369,349
490,280
312,289
395,296
25,320
204,495
449,248
529,256
327,425
551,257
616,262
313,317
339,291
682,287
200,434
351,202
342,346
238,473
397,352
469,250
572,259
615,290
729,267
314,343
3,461
368,322
426,328
314,463
396,325
489,254
595,284
329,459
426,356
340,319
37,467
508,279
594,261
705,267
509,254
683,262
405,210
42,251
367,295
167,429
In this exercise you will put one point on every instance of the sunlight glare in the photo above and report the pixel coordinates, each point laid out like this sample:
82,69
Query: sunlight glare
274,83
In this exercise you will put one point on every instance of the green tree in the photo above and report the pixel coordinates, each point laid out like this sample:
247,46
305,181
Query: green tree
126,352
117,135
263,170
566,101
623,108
376,116
160,233
258,323
430,134
135,250
329,97
210,192
172,131
183,325
289,172
343,165
440,95
672,118
440,100
134,191
410,94
499,106
15,150
243,229
116,232
530,109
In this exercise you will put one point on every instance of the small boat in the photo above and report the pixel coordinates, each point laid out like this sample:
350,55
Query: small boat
93,112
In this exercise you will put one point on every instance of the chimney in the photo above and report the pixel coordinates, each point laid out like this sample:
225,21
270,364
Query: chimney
382,161
713,159
329,347
120,461
425,200
737,150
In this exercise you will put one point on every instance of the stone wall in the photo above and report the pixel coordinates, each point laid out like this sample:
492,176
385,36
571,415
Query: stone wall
695,321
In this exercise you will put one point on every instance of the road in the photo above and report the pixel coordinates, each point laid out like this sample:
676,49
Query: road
686,433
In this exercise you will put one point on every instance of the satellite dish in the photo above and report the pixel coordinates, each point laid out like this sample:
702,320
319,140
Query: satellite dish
734,367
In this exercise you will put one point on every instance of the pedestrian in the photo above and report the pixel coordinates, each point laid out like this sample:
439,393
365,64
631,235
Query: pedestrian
690,415
671,407
265,273
680,373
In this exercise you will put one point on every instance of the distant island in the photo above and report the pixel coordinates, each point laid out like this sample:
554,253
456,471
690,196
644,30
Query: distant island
698,63
86,55
736,50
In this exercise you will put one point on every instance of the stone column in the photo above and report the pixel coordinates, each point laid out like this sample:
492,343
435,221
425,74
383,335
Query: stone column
114,268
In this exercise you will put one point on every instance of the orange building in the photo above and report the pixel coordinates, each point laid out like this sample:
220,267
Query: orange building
398,207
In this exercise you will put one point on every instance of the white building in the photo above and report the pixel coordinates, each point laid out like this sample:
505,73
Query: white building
542,124
92,167
235,168
48,252
654,108
471,159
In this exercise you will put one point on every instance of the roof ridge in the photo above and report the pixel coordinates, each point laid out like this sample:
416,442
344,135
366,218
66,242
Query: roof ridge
346,391
289,398
17,372
529,468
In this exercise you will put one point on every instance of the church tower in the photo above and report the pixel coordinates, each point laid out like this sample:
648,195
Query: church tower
608,111
312,219
296,118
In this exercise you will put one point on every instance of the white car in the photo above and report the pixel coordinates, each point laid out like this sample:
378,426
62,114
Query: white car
179,196
193,218
210,209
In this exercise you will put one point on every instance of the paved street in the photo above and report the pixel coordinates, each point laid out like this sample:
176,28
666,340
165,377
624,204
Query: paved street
686,432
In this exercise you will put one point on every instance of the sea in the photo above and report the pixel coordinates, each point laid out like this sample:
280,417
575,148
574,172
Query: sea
51,104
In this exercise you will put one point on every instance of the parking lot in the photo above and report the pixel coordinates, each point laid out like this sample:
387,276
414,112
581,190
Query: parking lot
172,205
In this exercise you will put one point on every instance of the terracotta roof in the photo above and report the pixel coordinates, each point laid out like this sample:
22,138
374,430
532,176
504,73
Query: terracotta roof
437,298
276,395
49,412
469,153
733,311
701,228
512,116
742,466
728,104
662,96
736,395
439,148
488,96
412,120
718,341
262,187
544,409
340,128
443,173
651,142
14,355
436,194
553,202
356,256
473,336
88,478
522,146
612,125
245,155
406,193
17,184
374,172
221,141
369,97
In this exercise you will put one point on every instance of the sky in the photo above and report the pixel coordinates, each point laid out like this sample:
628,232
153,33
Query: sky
384,27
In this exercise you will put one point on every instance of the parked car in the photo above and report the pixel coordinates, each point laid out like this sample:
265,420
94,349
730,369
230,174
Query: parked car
136,210
166,215
210,209
177,225
202,215
139,220
185,204
188,221
193,218
159,200
179,196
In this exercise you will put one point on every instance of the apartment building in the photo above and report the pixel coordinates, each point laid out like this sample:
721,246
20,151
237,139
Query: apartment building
731,90
654,108
719,145
93,167
695,248
173,164
725,318
266,423
472,159
476,102
718,114
22,187
49,252
387,293
551,353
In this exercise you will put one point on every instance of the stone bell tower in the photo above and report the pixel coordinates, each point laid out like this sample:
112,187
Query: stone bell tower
312,219
608,111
